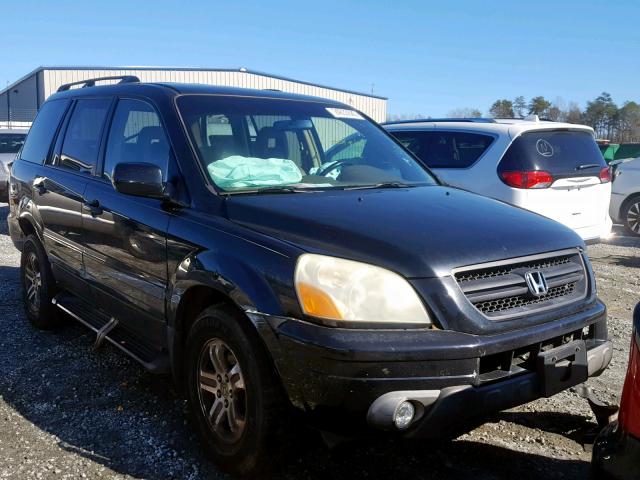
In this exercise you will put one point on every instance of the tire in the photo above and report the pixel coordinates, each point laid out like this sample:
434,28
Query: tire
630,216
38,285
242,420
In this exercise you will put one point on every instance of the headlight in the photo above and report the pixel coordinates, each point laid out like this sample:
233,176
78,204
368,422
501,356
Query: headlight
344,290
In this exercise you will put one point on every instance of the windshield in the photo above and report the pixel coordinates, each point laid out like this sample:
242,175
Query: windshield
11,142
260,144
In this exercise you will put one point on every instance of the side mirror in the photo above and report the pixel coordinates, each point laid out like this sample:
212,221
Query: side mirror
139,179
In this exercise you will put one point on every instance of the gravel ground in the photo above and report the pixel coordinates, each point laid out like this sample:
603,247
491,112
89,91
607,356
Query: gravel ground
69,412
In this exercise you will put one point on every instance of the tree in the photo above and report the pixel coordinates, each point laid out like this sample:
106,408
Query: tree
573,114
554,113
501,109
464,113
519,106
628,122
539,106
602,115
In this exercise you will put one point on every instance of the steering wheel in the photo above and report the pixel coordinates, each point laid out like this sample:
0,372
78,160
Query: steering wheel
335,164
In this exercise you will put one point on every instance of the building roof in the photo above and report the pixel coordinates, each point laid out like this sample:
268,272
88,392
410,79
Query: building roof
186,69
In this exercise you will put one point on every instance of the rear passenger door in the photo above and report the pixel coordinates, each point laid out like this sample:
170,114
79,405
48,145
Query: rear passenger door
59,186
125,236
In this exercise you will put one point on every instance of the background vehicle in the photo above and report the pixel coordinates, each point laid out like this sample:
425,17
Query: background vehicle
11,141
616,452
625,195
553,169
217,234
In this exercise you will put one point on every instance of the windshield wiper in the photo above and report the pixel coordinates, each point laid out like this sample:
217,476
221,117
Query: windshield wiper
383,185
275,190
588,165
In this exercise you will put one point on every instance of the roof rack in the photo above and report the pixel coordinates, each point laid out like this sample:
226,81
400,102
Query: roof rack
91,82
430,120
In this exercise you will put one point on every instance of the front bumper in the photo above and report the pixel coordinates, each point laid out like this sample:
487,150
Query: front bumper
616,455
336,375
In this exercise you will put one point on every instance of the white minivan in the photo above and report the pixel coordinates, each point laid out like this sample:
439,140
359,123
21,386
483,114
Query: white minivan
554,169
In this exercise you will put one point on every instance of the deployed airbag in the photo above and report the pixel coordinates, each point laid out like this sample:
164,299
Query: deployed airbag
237,171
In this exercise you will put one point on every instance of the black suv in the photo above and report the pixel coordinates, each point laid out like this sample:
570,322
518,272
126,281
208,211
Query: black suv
230,237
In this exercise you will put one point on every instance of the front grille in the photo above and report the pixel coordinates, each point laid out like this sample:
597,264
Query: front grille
500,290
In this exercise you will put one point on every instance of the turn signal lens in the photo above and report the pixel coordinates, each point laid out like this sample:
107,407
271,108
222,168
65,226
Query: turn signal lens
605,175
527,179
317,303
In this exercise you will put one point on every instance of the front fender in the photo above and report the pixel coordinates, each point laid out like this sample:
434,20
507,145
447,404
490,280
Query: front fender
245,285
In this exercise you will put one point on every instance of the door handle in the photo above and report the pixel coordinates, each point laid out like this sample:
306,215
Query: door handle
93,207
38,184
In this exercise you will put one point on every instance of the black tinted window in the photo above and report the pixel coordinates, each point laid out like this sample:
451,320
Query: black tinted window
445,149
82,138
11,142
559,152
42,131
136,136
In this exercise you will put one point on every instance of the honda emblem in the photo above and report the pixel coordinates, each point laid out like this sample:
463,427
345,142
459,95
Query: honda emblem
536,282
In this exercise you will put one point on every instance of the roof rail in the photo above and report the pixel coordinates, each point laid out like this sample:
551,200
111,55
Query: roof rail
429,120
91,82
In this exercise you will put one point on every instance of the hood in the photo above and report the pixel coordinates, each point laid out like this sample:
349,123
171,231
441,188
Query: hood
417,232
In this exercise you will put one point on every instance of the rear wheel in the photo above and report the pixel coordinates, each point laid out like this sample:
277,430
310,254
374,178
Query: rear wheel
38,285
237,402
631,216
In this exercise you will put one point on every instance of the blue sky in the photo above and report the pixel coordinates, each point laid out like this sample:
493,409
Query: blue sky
427,57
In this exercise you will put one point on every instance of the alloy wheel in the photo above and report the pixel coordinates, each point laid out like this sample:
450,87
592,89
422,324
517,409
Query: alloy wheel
222,391
633,217
33,282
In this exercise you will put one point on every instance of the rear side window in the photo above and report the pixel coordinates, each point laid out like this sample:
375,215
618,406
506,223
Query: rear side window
560,152
445,149
136,135
44,127
82,138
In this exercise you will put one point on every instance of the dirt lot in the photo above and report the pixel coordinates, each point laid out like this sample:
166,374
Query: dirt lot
69,412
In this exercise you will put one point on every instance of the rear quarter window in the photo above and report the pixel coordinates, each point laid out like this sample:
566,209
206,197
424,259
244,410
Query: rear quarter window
441,149
38,142
559,152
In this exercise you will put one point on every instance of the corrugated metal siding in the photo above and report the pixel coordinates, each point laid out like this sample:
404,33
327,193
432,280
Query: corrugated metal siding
376,108
23,99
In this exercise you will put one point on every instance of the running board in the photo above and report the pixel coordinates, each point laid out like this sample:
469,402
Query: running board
102,333
110,329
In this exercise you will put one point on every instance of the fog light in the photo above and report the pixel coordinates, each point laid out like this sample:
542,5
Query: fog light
403,415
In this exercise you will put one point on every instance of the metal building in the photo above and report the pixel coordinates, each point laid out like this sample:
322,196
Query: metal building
20,101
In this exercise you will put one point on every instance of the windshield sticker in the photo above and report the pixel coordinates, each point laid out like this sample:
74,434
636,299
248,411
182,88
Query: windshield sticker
544,148
345,113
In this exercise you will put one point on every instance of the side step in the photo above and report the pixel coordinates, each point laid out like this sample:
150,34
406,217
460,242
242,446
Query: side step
115,332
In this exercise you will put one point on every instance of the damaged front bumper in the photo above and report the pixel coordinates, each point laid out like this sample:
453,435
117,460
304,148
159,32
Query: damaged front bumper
348,381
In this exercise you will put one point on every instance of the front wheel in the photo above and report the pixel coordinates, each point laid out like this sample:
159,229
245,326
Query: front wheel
236,399
631,216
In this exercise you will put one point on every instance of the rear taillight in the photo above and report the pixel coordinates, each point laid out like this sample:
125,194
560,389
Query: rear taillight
629,416
605,175
527,179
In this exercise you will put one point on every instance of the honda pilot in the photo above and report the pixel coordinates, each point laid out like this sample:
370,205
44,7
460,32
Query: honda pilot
219,234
